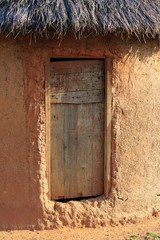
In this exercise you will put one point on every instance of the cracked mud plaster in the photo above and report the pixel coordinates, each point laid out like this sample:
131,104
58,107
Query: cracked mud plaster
135,178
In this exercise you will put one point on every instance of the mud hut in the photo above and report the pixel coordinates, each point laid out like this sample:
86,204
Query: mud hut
80,112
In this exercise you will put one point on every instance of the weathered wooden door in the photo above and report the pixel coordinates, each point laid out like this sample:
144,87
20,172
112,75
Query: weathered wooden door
77,128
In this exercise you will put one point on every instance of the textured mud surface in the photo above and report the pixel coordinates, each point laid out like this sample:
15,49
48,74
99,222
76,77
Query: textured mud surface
110,232
135,191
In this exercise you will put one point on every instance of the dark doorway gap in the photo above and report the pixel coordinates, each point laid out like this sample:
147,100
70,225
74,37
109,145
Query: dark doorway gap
76,199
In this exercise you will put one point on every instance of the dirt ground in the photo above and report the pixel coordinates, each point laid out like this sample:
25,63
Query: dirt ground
111,232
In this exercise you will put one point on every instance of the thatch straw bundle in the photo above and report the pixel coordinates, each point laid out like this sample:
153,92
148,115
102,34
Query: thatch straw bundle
140,17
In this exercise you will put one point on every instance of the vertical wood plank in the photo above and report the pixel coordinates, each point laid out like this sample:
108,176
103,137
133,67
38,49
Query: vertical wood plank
87,138
107,126
81,153
84,150
57,151
70,139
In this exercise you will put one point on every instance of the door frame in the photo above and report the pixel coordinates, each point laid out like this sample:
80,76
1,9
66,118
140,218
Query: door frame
107,120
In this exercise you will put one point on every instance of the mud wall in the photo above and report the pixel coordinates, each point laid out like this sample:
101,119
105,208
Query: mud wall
135,188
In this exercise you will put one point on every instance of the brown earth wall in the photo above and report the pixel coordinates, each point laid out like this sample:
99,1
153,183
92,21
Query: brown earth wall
135,167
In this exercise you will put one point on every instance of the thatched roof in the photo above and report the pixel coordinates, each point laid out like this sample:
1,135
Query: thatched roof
140,17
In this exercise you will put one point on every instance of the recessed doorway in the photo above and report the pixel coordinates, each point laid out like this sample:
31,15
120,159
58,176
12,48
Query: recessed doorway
77,128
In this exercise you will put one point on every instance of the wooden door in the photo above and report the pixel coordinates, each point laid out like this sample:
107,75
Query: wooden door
77,128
